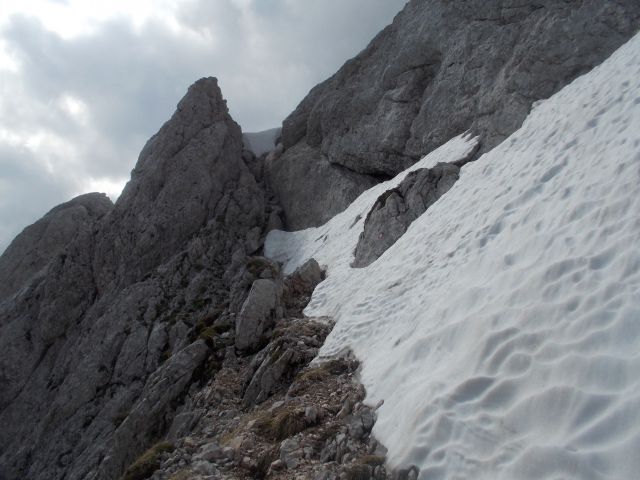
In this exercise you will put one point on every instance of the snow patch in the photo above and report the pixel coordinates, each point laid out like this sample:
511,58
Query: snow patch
261,142
503,329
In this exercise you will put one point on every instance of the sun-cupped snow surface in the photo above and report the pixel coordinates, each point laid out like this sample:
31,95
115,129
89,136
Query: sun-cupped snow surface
502,330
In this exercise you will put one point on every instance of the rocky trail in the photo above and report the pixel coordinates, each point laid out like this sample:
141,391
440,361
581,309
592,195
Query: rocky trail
277,413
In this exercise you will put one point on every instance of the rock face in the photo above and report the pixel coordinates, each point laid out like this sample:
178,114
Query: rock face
299,286
39,243
258,314
328,191
393,212
99,332
440,69
190,176
121,325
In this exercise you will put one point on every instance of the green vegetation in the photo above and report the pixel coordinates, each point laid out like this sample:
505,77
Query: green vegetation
372,460
358,472
199,304
208,334
256,265
283,423
181,475
323,372
313,375
148,462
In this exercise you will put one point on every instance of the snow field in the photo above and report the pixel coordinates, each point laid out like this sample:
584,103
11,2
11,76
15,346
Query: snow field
261,142
502,330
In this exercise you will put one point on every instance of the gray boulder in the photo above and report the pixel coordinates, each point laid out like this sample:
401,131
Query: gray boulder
39,243
274,365
258,315
394,210
440,69
299,286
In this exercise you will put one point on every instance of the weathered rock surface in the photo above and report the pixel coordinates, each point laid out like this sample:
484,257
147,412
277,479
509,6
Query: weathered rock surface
440,69
190,176
299,286
99,349
333,187
258,314
295,344
310,423
273,414
32,250
394,210
123,326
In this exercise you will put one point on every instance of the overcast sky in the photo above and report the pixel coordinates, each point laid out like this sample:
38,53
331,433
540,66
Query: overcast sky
83,84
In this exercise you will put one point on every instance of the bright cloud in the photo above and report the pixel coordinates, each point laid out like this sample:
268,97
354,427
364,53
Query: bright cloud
84,84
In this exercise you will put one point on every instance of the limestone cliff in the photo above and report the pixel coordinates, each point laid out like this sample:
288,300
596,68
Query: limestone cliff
97,326
440,69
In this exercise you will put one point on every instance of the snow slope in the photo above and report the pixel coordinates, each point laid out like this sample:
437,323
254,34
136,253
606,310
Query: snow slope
503,329
261,142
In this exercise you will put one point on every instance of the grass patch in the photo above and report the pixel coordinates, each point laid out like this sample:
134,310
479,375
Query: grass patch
209,334
148,462
200,304
324,371
181,475
257,265
283,423
371,460
317,374
358,472
264,460
225,438
339,366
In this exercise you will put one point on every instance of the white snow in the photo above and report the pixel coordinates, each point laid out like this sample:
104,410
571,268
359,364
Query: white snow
503,329
261,142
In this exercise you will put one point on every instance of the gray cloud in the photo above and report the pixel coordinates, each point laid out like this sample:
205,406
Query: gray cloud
129,78
20,181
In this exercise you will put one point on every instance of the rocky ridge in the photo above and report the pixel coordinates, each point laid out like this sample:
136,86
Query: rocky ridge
150,339
32,250
99,346
144,334
439,69
274,414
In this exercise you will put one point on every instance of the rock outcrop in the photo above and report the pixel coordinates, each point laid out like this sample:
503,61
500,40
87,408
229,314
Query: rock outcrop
190,178
258,314
328,190
155,325
394,210
274,414
99,335
440,69
34,248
